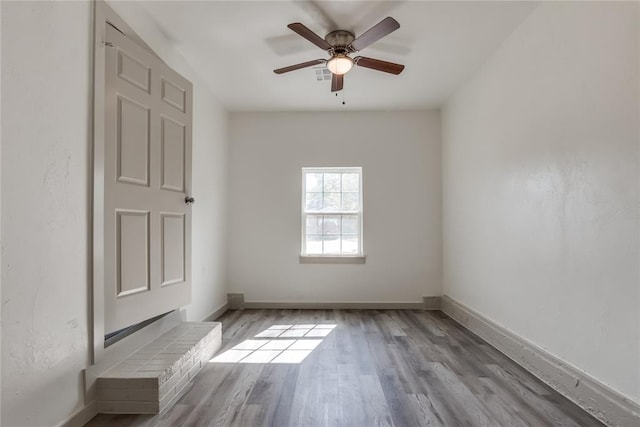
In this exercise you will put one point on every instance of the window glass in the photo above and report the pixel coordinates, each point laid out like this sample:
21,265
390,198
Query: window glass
332,211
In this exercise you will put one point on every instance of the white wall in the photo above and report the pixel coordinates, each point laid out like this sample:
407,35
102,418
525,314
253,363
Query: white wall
400,155
540,173
46,64
46,108
208,240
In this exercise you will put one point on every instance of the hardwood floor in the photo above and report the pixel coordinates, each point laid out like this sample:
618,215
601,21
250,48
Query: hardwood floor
376,368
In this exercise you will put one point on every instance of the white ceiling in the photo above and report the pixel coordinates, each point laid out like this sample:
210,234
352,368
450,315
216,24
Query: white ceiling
235,45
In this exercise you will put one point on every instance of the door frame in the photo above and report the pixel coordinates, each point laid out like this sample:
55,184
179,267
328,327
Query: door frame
102,358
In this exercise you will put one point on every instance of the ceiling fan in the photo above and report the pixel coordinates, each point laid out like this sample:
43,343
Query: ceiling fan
340,44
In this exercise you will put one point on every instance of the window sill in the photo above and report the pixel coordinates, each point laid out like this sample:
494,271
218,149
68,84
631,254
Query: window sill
326,259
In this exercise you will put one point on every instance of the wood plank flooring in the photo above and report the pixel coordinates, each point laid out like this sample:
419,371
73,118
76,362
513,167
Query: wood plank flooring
376,368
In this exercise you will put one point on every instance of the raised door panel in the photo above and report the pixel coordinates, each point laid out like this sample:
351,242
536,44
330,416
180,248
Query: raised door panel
134,71
173,154
132,252
173,94
173,248
133,142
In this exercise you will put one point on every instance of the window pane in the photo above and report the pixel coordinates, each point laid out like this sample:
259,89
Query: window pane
332,202
314,224
313,202
313,182
331,244
350,224
331,182
350,244
331,225
313,243
350,202
332,211
350,182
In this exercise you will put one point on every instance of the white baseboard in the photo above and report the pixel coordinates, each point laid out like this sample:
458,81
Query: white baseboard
82,416
219,312
599,400
236,301
335,305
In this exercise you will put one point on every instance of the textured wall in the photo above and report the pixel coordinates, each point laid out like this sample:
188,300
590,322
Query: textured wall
46,65
400,156
540,172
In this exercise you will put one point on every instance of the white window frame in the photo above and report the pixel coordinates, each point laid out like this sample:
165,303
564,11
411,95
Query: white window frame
357,258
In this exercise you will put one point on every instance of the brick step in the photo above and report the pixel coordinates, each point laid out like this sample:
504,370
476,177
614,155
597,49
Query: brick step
151,379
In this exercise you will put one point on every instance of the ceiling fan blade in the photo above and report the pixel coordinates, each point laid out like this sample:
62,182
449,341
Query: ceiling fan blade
376,64
298,66
309,35
375,33
337,81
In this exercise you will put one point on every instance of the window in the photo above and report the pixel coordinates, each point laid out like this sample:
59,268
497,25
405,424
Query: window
331,212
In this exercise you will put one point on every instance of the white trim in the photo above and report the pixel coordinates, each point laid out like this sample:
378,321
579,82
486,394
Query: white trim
333,259
236,302
81,416
332,213
333,305
1,252
101,13
305,213
604,403
334,169
217,313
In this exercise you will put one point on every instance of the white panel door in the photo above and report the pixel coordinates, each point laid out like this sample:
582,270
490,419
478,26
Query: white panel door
147,177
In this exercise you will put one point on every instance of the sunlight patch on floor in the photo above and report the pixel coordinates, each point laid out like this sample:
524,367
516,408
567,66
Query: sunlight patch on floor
277,344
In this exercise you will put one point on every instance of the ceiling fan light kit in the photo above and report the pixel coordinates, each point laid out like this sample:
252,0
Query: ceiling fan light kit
339,44
339,64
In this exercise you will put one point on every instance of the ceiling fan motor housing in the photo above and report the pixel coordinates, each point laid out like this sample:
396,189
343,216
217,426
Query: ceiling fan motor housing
340,38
